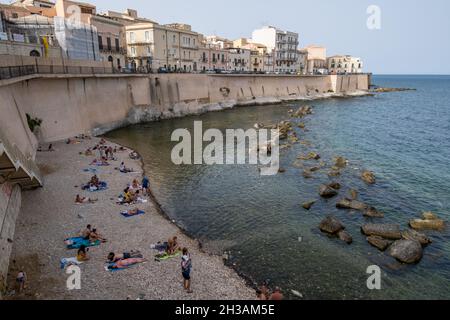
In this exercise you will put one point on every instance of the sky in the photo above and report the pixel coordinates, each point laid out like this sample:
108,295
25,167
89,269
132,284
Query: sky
414,35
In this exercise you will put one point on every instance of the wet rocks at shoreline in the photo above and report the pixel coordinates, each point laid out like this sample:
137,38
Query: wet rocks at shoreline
386,231
327,192
406,251
429,221
368,177
334,227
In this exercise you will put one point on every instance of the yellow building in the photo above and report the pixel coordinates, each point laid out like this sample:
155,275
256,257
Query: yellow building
151,46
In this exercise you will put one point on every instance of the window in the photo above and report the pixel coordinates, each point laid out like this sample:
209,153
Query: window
100,42
133,51
147,36
108,43
149,51
132,37
117,44
174,38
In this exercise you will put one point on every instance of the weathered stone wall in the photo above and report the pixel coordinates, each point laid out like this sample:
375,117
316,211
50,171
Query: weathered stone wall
10,201
70,105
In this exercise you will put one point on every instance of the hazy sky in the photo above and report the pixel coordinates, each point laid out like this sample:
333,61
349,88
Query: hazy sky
414,37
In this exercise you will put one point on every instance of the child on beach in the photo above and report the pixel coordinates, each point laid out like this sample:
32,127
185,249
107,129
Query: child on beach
186,266
21,280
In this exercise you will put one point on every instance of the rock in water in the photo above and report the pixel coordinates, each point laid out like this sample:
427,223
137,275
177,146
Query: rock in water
429,216
351,204
335,185
331,225
308,205
379,243
353,194
419,224
345,236
327,192
386,231
340,162
416,236
371,212
368,177
407,251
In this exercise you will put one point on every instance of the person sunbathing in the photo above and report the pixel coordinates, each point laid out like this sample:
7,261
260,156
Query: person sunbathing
125,263
112,257
133,212
135,185
124,169
85,234
81,200
82,254
94,236
172,246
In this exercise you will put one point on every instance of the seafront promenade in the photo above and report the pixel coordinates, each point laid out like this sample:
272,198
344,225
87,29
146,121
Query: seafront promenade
49,215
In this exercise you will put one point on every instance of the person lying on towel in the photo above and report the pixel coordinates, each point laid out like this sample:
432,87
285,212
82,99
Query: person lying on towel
113,257
125,263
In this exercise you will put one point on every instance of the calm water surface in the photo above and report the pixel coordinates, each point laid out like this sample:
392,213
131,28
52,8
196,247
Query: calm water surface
403,137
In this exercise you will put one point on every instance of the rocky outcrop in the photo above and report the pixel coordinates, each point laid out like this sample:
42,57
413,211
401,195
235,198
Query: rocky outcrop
429,222
310,156
353,194
379,243
340,162
372,212
351,204
345,236
302,112
386,231
416,236
327,192
308,205
331,225
368,177
407,251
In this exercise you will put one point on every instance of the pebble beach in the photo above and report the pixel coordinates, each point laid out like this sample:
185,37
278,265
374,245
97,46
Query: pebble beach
49,215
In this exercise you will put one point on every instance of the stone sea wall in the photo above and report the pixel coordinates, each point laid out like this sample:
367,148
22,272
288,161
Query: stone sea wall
69,105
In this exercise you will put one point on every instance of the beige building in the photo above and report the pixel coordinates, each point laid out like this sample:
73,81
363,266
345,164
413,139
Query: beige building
344,64
312,60
221,42
152,46
212,58
260,59
239,60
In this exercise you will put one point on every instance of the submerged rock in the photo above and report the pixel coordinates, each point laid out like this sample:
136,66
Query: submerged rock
308,205
379,243
368,177
372,212
353,194
327,192
351,204
429,222
416,236
407,251
345,236
335,185
386,231
331,225
340,162
307,174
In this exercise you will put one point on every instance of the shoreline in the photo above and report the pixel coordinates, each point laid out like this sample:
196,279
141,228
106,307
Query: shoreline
209,272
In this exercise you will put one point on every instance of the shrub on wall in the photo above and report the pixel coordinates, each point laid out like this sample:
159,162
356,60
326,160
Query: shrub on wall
33,123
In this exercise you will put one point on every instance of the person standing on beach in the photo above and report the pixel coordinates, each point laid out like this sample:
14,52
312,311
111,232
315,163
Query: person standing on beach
146,185
21,280
186,265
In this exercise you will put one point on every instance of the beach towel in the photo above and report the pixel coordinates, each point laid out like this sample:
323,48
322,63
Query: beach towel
164,256
99,164
77,242
159,246
127,215
102,186
92,170
65,262
112,267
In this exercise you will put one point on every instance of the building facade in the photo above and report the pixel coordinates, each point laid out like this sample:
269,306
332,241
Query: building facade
152,46
239,60
312,60
282,45
344,64
212,58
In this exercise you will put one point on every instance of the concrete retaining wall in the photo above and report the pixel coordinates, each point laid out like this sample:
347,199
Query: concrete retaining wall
70,105
10,202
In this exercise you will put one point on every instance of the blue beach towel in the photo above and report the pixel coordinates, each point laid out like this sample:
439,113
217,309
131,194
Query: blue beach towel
126,215
102,186
77,242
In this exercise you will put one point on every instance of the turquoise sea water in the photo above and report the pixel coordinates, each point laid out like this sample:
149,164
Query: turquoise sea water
404,137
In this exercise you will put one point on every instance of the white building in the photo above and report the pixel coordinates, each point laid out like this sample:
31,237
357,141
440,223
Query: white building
313,60
344,64
282,45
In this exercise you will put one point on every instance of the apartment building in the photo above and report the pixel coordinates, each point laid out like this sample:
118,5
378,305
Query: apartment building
152,46
212,58
282,45
239,60
344,64
221,42
312,60
260,60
